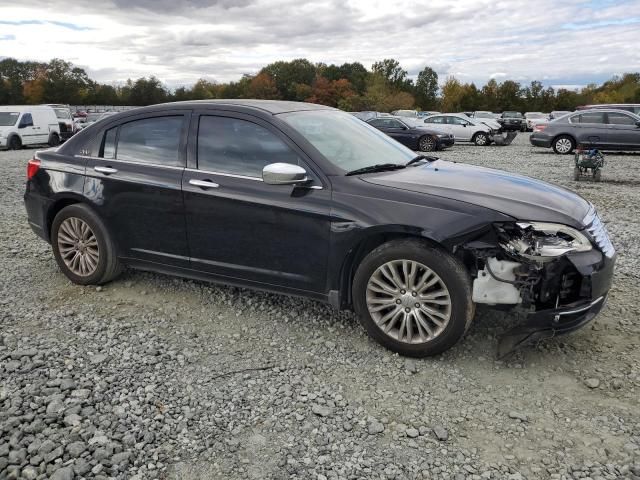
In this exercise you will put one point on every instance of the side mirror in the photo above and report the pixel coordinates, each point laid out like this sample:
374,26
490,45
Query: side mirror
284,174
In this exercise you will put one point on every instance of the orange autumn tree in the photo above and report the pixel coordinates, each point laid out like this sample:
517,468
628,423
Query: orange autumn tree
330,92
262,86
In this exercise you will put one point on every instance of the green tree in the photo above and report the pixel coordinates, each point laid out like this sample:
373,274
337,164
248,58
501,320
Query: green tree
427,88
391,71
147,91
287,74
509,96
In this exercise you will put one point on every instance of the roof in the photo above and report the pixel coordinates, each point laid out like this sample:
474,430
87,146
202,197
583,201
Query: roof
271,106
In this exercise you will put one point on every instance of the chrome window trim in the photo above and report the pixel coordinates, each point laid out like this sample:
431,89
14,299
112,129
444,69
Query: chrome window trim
232,175
129,162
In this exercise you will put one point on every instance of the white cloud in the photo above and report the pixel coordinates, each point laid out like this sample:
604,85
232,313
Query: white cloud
182,40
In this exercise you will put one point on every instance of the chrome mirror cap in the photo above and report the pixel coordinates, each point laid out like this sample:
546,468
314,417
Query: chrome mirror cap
284,174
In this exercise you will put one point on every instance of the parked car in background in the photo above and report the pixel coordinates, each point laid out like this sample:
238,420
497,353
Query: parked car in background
94,117
427,113
23,125
462,127
368,115
512,121
629,107
413,133
487,118
558,114
598,128
65,120
405,113
307,200
534,118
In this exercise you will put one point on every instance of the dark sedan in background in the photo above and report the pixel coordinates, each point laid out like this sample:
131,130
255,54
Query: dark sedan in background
598,128
413,134
512,121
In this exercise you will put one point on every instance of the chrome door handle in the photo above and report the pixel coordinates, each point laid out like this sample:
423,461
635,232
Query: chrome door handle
105,170
203,183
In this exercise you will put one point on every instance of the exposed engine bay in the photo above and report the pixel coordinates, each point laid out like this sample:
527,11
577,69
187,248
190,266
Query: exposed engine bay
529,266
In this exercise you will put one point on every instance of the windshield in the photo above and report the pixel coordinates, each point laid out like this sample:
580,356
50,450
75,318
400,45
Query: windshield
8,119
512,115
345,141
535,115
92,117
63,113
483,115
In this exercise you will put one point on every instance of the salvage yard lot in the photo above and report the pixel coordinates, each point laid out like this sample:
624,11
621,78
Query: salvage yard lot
170,378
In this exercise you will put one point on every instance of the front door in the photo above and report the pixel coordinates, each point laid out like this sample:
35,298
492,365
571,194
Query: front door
461,129
135,183
29,132
623,133
242,228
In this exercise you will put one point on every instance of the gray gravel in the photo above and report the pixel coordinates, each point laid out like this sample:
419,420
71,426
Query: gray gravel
158,377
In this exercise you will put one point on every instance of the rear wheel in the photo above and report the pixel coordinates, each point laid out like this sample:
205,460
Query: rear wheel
563,145
427,143
54,140
412,298
481,139
15,143
82,246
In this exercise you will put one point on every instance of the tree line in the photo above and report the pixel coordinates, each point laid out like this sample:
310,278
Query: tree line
350,86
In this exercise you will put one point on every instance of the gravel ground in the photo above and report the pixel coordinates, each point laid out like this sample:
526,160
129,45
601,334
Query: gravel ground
157,377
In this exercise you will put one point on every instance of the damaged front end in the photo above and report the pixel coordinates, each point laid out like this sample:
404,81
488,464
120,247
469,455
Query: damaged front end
559,276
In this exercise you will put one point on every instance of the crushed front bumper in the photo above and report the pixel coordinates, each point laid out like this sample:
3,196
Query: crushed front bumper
597,272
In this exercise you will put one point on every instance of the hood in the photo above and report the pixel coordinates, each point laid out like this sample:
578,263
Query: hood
520,197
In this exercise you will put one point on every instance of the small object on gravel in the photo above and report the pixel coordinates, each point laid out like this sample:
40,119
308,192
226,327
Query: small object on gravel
518,416
592,382
98,288
321,410
375,427
411,432
441,433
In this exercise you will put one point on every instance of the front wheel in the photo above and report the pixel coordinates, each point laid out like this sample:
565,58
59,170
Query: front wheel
83,247
481,139
412,298
427,144
15,143
54,140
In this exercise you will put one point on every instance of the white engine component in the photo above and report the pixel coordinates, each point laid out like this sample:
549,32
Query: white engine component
487,289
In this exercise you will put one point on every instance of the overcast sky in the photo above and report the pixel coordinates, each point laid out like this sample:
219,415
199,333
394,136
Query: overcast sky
560,42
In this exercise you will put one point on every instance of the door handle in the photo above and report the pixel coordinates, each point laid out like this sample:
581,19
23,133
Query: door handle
105,170
203,183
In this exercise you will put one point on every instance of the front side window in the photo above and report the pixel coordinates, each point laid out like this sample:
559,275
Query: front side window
457,121
346,142
436,120
592,117
239,147
27,120
621,119
378,122
151,140
395,124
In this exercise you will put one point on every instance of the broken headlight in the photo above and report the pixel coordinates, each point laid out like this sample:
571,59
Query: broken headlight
543,241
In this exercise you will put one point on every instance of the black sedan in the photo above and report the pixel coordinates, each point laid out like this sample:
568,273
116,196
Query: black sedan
307,200
598,128
413,134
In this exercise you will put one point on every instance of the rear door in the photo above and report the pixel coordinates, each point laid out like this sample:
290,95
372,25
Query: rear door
623,133
440,122
591,129
242,228
135,183
28,130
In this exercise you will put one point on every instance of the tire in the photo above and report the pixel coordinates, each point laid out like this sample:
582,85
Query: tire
15,143
563,145
481,139
54,140
576,174
427,143
101,268
455,318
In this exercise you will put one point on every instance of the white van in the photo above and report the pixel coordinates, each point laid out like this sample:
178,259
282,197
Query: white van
22,125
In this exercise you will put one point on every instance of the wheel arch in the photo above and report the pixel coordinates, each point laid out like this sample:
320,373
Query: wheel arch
57,205
366,244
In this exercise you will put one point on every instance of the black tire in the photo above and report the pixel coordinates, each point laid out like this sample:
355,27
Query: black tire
427,143
108,267
563,145
450,271
481,139
15,143
54,140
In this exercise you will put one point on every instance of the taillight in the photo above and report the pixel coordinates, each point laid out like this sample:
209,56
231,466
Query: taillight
539,128
32,168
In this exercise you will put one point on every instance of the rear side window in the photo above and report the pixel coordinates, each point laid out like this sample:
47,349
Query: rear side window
109,145
239,147
621,119
591,117
436,120
151,140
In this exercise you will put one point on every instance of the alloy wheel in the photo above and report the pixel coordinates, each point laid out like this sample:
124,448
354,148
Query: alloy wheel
78,246
481,139
427,144
563,145
408,301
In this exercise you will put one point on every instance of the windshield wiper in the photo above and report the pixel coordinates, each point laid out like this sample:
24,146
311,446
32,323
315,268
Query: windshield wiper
380,167
419,158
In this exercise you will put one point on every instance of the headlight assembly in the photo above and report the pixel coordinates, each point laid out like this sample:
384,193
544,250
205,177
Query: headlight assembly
542,241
